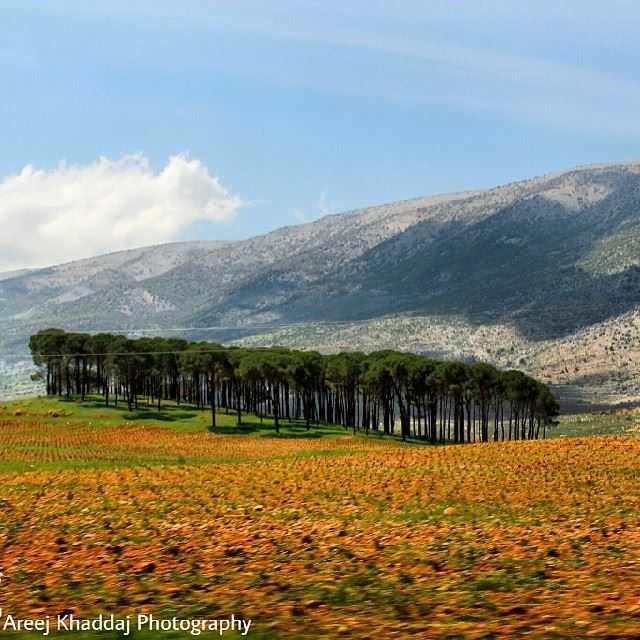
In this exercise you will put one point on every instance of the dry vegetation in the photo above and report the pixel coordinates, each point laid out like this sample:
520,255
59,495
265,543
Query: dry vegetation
328,537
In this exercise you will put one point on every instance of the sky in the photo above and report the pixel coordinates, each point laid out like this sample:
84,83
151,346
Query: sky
128,123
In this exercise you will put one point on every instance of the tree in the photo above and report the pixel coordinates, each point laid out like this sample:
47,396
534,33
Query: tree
47,348
307,372
210,360
483,377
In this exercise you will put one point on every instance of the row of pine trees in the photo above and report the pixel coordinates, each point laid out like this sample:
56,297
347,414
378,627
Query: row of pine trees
383,391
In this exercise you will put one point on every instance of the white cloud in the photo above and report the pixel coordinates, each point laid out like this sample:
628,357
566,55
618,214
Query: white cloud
49,216
534,62
324,207
300,216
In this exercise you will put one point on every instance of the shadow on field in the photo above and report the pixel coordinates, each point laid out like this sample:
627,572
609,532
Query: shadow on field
142,413
267,430
231,429
183,417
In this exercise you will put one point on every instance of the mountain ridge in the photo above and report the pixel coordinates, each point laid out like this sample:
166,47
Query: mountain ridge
548,258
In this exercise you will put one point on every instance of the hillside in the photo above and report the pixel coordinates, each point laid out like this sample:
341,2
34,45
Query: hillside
542,274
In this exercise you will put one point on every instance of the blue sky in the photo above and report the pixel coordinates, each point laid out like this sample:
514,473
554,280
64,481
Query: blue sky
298,108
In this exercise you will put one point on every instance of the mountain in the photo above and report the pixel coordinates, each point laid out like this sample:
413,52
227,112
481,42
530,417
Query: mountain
542,274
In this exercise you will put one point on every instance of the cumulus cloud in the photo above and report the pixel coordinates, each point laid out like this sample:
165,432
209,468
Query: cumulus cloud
49,216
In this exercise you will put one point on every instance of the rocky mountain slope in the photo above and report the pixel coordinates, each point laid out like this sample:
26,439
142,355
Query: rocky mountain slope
543,274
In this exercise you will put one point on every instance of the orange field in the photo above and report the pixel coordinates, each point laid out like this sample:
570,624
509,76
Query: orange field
327,537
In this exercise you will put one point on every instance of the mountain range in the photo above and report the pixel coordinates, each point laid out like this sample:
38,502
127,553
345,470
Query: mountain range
542,274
